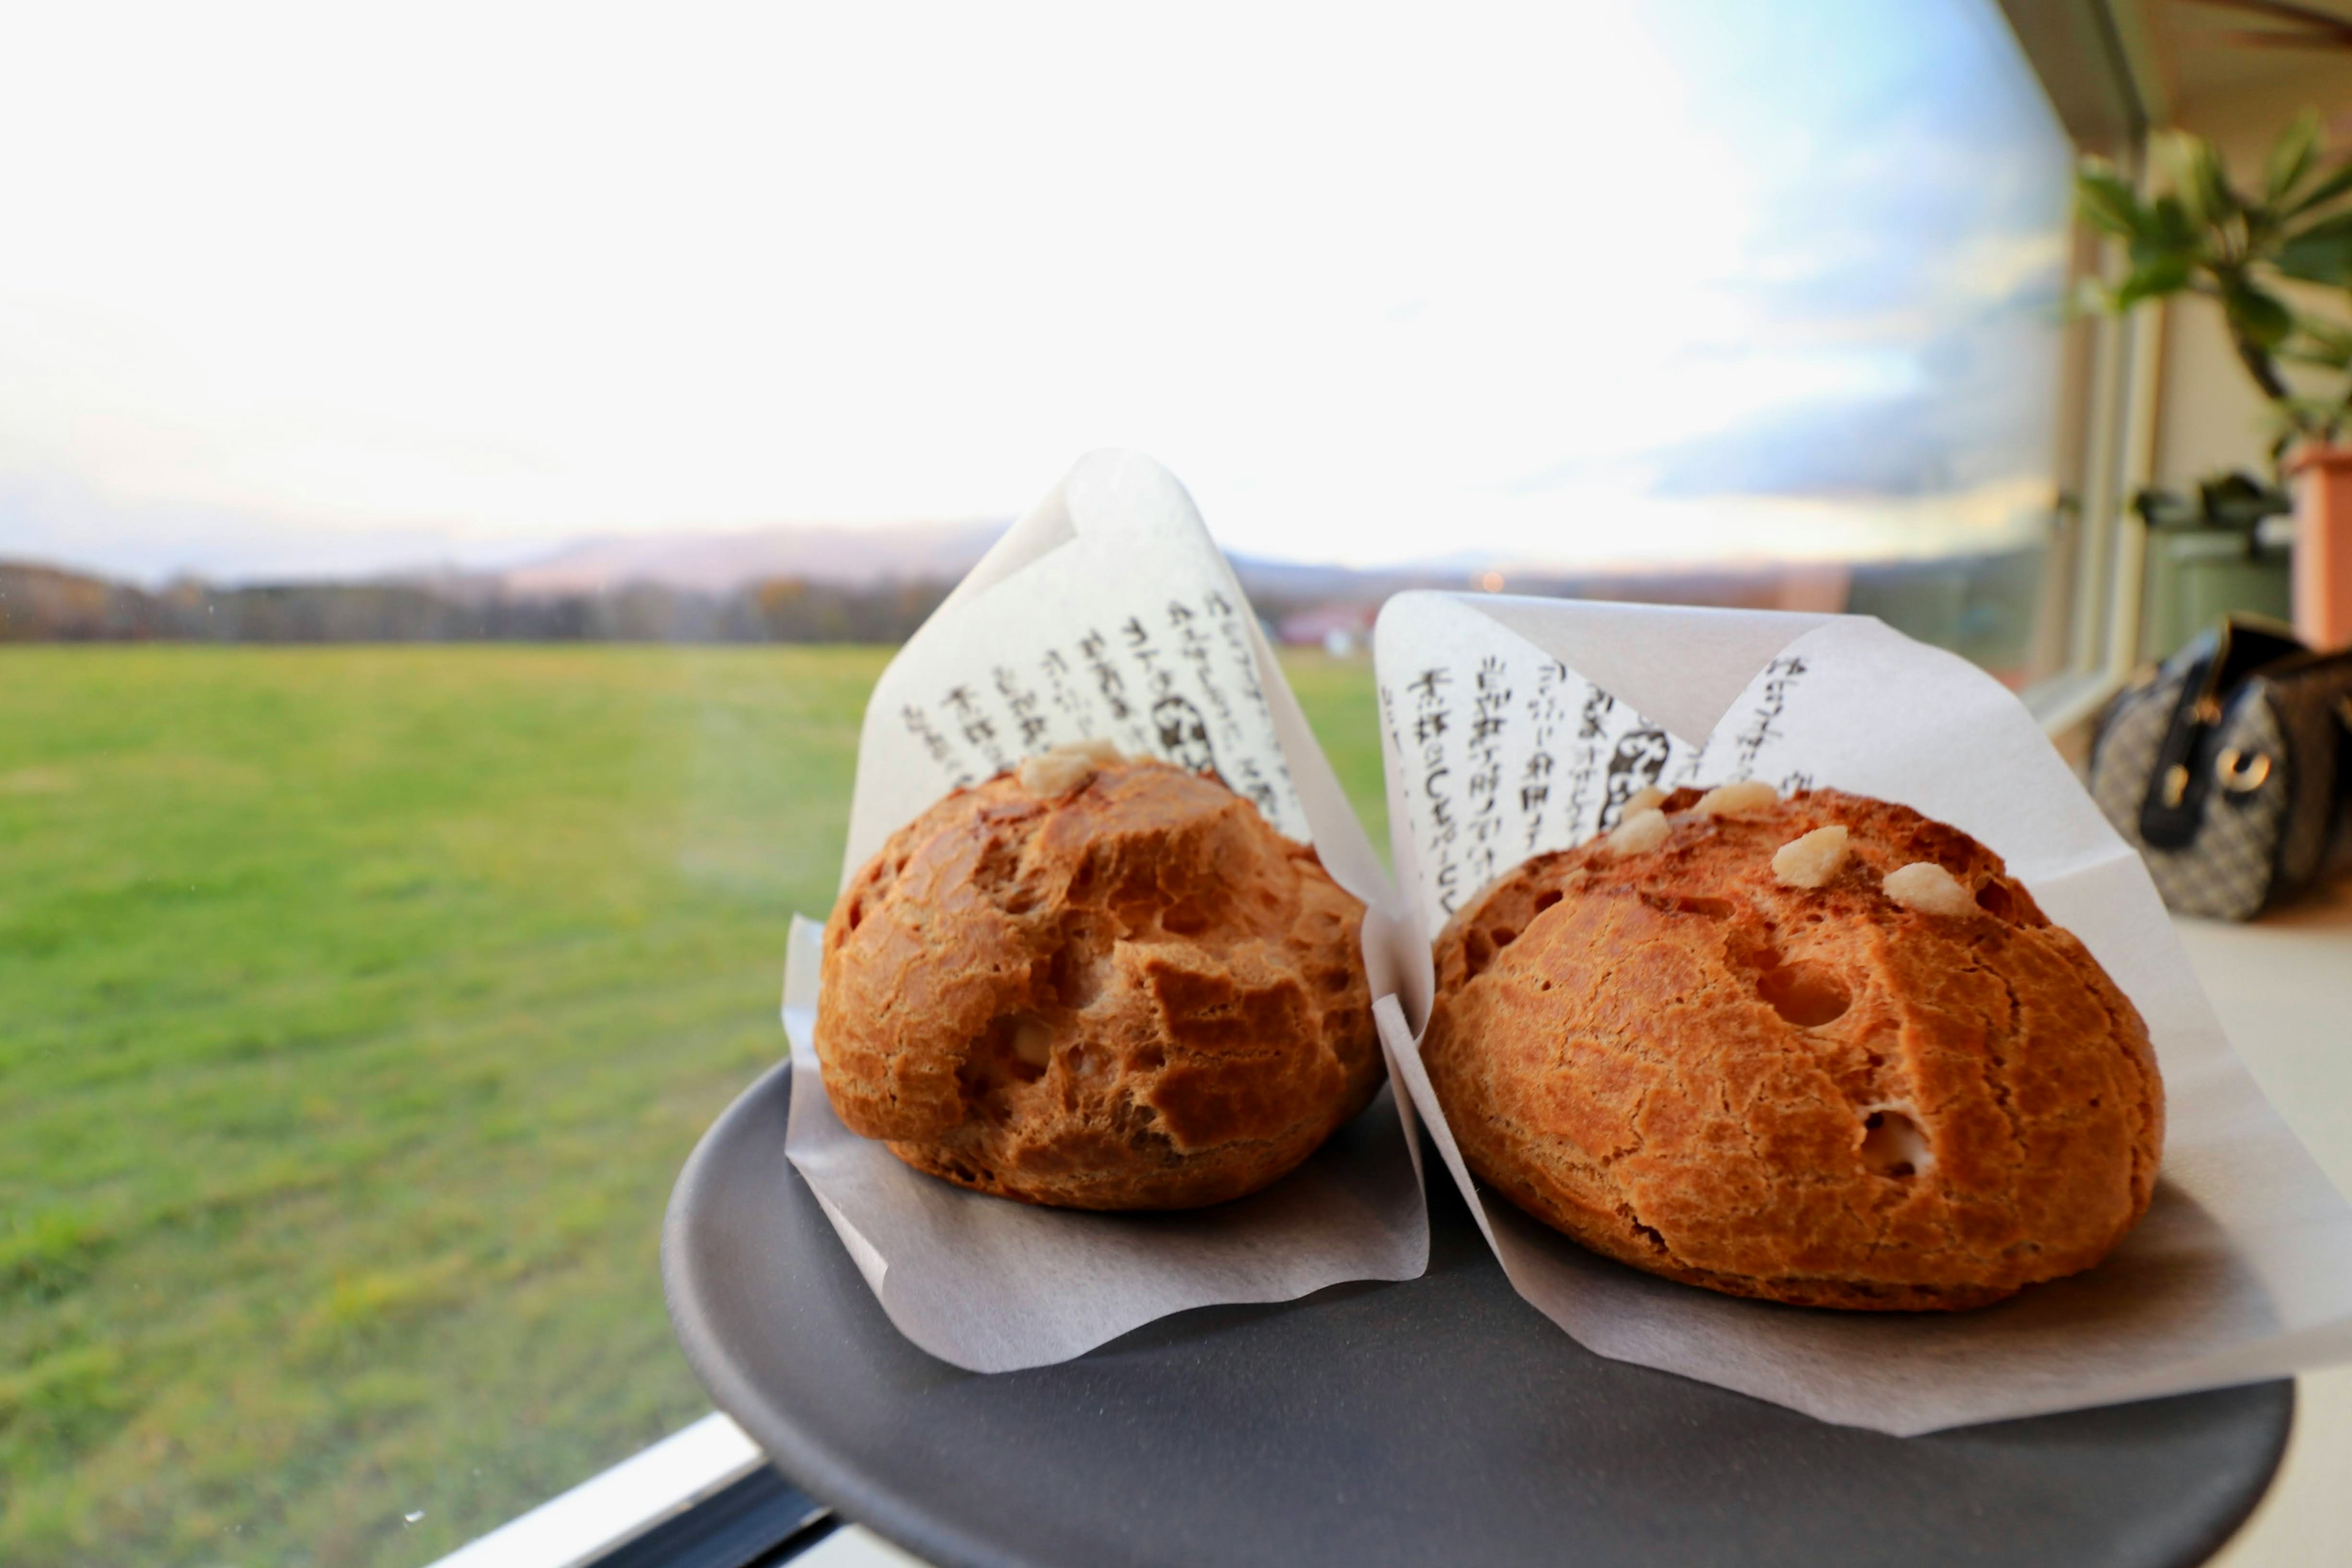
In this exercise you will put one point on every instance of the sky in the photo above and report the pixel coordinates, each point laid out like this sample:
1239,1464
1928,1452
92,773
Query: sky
299,290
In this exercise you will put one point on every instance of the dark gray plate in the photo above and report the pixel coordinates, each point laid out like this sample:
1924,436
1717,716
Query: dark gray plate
1438,1421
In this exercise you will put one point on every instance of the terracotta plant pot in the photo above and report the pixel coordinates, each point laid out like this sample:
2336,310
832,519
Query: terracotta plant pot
2323,546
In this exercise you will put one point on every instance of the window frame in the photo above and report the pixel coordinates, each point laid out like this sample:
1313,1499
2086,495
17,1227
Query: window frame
2096,63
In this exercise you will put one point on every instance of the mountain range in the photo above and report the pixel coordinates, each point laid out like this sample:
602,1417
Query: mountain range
721,562
715,563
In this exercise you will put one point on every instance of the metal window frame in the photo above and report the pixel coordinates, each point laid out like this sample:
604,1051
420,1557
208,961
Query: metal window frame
620,1504
2094,61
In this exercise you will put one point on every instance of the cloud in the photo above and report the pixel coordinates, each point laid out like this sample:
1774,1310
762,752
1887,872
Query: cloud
455,277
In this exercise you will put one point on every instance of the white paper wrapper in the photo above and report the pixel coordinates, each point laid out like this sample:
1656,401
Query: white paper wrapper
1107,612
1541,715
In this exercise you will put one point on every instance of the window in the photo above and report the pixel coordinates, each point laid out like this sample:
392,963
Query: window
359,1003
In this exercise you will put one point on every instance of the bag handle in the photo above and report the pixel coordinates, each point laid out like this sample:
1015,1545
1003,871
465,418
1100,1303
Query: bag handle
2186,768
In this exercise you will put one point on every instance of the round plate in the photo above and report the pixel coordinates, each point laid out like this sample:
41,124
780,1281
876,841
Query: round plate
1438,1421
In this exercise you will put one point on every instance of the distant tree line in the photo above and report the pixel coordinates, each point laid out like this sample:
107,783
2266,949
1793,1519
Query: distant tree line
1981,606
43,604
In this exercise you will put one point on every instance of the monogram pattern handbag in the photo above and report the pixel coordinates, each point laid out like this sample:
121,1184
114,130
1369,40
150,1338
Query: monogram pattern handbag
2229,767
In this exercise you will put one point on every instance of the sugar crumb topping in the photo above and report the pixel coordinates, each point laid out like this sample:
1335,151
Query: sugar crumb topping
1649,797
1050,774
1929,888
1640,832
1745,798
1811,860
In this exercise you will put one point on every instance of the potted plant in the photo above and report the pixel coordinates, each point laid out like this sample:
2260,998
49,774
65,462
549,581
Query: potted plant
2201,234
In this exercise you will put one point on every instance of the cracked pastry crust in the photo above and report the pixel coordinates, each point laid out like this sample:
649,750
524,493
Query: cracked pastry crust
1132,994
1811,1095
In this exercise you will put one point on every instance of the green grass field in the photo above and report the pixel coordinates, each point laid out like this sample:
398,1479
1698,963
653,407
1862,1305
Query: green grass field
357,1009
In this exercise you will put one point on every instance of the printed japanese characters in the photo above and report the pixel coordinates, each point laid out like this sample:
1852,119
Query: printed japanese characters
1514,754
1178,682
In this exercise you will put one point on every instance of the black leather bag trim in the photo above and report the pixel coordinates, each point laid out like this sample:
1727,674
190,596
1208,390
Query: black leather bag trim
2223,662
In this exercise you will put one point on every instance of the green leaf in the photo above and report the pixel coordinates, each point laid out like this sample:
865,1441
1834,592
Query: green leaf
2106,200
2290,155
2320,358
2171,226
2197,177
2167,273
2319,342
2259,317
2320,254
2320,417
2326,191
2149,250
2334,334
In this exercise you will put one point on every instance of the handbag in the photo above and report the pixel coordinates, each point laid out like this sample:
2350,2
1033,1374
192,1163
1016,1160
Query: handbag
2228,767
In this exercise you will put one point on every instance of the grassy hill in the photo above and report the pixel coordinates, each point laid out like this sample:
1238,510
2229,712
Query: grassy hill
357,1008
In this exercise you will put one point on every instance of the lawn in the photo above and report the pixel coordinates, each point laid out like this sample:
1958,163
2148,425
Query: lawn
357,1008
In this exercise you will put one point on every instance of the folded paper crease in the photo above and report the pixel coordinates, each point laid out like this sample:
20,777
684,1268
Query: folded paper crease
1106,612
2242,1268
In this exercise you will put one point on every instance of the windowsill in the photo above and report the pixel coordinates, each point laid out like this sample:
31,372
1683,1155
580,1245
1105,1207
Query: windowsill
608,1510
2282,986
